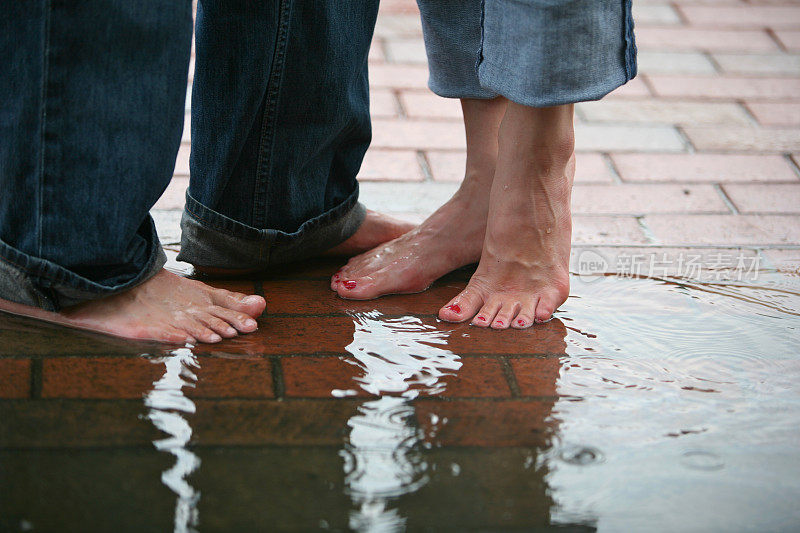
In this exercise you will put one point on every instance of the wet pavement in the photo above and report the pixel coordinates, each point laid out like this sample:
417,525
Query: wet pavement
646,404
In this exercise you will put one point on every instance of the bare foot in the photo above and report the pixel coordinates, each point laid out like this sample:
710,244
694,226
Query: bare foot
523,275
450,238
376,229
165,308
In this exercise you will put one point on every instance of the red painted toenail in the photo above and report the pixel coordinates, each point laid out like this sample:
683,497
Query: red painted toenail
499,322
481,318
521,322
349,284
454,308
336,277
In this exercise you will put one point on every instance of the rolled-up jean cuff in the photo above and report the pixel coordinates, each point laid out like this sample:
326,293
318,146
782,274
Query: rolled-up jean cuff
210,239
40,283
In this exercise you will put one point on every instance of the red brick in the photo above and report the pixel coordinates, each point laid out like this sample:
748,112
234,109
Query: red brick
704,39
776,113
15,378
780,140
646,198
716,87
316,377
664,111
396,165
725,229
418,134
703,167
382,103
537,376
175,195
759,64
607,230
429,105
279,335
121,377
765,198
182,162
398,76
743,16
486,423
789,39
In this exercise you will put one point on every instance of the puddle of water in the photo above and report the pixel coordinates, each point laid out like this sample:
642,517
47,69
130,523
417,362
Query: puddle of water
673,405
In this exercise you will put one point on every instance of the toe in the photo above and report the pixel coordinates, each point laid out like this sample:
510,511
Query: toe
241,321
508,310
485,316
253,305
335,279
525,317
462,307
544,309
217,325
362,288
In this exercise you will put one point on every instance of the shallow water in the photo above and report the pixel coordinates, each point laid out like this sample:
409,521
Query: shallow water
646,404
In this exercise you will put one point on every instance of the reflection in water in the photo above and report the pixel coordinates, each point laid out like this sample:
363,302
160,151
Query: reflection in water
166,402
402,358
691,393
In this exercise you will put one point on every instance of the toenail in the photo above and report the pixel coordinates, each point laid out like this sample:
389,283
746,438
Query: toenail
481,318
454,308
230,331
250,323
252,299
350,284
336,277
215,338
499,322
521,322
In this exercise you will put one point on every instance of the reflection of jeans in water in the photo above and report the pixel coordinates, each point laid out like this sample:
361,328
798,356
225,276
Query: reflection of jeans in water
92,99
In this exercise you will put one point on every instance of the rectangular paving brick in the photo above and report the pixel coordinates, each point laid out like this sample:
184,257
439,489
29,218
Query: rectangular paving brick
627,138
607,230
725,87
743,16
725,229
279,335
634,199
398,76
405,50
120,378
428,105
652,62
15,378
789,39
776,113
175,195
418,134
728,138
487,423
783,260
396,197
632,89
537,376
182,161
376,54
398,25
765,198
664,111
396,165
645,14
779,63
316,377
383,103
683,38
710,168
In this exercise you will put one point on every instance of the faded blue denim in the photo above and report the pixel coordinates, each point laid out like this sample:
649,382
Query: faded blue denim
92,97
538,53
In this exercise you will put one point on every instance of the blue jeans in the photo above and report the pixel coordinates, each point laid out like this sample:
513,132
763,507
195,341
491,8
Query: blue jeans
92,97
538,53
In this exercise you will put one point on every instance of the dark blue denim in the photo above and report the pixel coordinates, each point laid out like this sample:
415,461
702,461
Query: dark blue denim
280,124
91,108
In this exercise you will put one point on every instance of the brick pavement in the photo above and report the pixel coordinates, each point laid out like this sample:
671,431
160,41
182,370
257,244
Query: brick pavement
701,149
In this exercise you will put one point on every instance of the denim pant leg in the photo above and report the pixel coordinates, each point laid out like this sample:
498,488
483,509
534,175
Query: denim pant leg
92,102
280,124
534,52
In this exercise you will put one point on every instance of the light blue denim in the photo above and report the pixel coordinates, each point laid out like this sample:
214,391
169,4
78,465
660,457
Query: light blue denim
538,53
